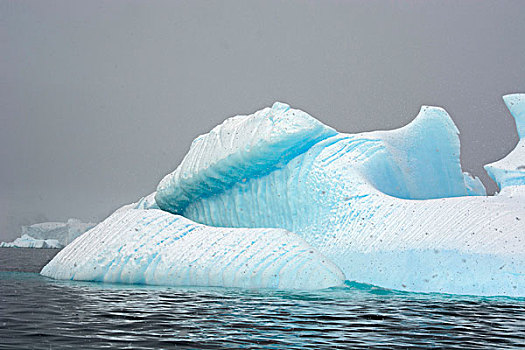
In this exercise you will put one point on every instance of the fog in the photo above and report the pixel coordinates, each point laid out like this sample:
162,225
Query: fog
100,99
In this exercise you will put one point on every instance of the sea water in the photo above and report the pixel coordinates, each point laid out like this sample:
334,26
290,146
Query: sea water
41,313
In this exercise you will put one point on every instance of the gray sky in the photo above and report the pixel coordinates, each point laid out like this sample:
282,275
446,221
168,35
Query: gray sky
100,99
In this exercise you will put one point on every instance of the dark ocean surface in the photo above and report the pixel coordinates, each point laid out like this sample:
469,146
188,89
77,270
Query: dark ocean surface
40,313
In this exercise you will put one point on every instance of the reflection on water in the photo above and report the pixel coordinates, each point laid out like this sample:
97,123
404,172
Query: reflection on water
58,314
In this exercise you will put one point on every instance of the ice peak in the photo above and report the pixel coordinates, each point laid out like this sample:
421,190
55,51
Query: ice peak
509,171
516,105
280,107
438,115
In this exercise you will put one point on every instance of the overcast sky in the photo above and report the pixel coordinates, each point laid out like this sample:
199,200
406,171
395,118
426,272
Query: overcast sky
100,99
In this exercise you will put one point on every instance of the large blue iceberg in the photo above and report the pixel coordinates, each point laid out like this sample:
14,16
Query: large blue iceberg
277,199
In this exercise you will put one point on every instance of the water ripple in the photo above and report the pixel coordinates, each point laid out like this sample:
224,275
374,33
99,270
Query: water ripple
47,313
40,313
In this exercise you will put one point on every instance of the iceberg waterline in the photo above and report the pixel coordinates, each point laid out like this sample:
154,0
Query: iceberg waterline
276,196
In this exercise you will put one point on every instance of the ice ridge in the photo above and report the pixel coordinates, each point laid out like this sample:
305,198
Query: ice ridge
241,148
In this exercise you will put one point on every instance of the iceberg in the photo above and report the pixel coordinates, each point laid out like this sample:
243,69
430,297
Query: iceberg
389,208
27,241
50,234
63,232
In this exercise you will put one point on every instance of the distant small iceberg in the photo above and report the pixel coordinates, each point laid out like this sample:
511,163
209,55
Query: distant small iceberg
30,242
49,234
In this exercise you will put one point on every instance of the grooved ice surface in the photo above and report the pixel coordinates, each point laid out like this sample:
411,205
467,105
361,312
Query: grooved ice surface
240,148
390,208
155,247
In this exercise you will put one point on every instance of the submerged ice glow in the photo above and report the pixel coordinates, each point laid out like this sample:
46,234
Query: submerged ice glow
277,199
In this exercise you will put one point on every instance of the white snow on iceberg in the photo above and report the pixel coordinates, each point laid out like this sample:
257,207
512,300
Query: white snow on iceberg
390,208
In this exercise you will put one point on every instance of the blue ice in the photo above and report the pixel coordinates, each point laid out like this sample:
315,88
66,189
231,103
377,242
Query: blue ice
390,208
